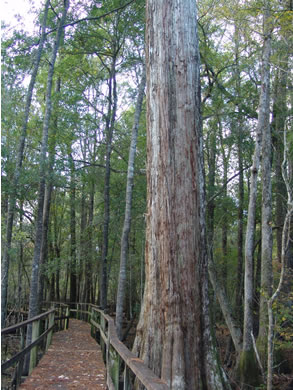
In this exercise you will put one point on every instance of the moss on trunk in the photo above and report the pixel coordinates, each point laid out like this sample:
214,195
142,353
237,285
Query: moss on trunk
248,370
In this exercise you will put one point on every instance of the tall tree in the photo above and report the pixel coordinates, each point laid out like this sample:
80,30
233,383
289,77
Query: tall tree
173,335
33,299
266,170
128,205
73,265
110,121
248,363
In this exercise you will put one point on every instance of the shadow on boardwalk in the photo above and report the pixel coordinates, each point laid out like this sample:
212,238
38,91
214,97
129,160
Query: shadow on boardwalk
73,361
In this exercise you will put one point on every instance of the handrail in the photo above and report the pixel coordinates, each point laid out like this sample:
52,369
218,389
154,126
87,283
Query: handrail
145,375
12,328
45,323
118,358
116,354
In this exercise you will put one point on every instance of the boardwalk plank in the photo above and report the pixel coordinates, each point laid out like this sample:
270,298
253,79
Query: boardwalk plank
73,361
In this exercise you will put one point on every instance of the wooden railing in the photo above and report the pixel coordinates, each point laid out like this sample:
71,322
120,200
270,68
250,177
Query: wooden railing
42,329
123,367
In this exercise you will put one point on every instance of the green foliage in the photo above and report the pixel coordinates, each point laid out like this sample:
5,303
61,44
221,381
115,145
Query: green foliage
283,311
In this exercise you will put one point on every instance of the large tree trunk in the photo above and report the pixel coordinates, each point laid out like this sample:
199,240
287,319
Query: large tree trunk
12,200
173,335
127,217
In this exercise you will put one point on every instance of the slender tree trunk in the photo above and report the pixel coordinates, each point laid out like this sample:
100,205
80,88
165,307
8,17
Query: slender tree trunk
33,301
226,309
17,172
225,157
239,130
225,227
44,248
73,270
173,335
256,287
248,368
128,204
89,271
286,238
111,116
280,113
266,212
20,266
47,204
82,243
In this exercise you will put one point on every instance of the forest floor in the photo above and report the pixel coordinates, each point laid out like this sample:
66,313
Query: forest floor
283,376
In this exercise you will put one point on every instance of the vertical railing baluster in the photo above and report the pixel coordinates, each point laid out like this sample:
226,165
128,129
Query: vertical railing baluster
126,379
34,351
67,319
50,334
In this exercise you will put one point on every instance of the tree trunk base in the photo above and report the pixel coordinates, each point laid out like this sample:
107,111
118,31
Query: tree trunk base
248,370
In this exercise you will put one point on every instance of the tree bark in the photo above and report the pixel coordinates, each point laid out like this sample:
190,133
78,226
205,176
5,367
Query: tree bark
128,205
173,335
17,172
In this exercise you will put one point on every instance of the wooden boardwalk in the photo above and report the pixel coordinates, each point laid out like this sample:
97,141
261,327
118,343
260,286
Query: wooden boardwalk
73,361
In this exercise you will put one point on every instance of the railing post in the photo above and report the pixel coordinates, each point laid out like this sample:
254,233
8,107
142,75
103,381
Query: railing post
67,319
113,364
18,374
60,316
34,351
126,379
102,343
50,334
92,317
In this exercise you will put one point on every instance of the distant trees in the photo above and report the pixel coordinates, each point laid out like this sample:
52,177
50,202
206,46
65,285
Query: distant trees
20,155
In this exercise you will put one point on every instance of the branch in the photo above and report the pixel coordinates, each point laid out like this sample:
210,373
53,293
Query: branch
257,357
93,17
225,184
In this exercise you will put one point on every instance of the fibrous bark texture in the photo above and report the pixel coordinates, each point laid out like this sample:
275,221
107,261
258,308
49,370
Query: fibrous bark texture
173,335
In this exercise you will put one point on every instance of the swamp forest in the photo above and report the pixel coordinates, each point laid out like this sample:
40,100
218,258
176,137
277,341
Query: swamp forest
147,169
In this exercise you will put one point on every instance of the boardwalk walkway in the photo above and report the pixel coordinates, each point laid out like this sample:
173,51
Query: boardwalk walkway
73,361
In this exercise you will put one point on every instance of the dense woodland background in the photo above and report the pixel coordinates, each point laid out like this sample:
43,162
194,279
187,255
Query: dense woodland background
71,106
